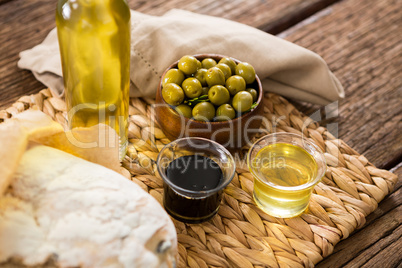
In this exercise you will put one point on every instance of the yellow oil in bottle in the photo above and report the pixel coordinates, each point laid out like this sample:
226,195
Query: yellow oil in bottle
281,182
94,38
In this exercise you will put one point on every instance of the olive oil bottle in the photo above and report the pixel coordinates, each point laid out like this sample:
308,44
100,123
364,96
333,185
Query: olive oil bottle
94,39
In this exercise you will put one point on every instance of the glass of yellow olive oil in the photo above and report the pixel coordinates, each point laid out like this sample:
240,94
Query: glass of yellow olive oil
286,167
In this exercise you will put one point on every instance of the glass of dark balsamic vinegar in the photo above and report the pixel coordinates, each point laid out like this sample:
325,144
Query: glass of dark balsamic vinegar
194,171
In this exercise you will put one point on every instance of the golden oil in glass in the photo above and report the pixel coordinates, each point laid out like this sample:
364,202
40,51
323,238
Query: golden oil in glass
281,182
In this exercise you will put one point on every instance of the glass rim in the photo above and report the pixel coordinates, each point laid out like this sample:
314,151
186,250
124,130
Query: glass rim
304,186
193,193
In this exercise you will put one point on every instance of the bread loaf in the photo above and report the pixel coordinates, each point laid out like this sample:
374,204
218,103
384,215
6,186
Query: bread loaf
62,208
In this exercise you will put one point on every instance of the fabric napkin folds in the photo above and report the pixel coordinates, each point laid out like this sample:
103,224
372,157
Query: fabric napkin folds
157,41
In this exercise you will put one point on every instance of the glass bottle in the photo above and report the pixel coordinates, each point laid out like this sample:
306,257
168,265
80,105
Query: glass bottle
94,39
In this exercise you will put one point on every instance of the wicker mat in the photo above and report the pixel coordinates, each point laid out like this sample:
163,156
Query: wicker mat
241,235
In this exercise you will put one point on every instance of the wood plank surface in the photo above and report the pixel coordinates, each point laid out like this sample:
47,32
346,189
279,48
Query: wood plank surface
24,24
271,16
362,43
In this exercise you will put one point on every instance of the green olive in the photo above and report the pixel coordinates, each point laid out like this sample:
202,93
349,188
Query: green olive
235,84
225,112
208,63
218,95
188,65
246,70
225,69
184,110
242,101
253,93
229,62
173,94
192,87
173,76
215,76
204,111
205,91
200,75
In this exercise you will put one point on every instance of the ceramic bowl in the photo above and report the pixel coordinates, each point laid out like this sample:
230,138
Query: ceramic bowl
233,133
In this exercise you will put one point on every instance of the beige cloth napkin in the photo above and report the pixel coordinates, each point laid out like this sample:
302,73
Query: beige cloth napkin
158,41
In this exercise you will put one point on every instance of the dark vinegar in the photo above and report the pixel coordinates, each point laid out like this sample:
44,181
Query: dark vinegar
196,173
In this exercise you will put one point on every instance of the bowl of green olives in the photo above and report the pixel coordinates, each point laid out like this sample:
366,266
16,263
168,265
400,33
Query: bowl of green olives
211,96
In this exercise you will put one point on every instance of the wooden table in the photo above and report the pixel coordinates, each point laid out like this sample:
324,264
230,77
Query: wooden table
360,40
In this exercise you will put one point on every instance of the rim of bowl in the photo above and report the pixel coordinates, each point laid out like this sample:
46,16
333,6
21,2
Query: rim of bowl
191,192
257,79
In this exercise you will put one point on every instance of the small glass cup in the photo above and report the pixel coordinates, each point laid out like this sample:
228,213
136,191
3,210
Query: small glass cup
189,167
286,167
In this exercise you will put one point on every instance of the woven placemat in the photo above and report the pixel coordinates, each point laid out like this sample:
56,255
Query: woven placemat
241,235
